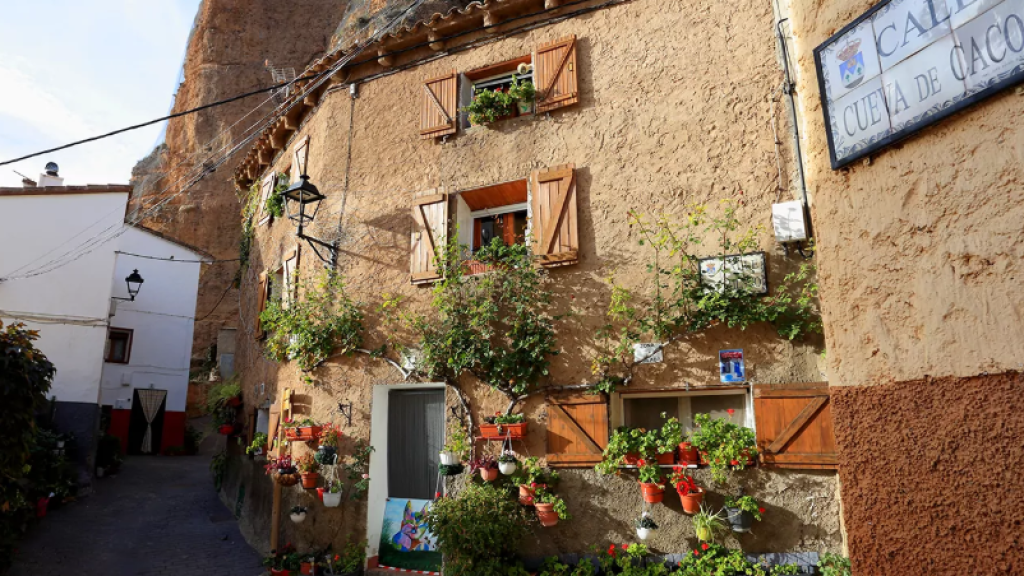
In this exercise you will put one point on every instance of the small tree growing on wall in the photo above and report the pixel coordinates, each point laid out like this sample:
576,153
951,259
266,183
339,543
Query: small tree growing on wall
495,326
680,305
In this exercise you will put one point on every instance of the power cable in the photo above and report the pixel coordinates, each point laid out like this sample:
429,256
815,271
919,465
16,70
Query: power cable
172,259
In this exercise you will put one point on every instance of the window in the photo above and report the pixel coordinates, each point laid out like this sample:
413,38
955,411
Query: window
497,77
265,287
289,275
499,212
119,345
644,409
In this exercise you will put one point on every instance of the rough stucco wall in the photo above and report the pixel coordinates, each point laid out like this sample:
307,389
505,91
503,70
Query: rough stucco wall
918,252
225,57
660,126
934,483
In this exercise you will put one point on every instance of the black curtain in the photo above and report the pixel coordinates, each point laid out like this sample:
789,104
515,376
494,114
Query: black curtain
415,438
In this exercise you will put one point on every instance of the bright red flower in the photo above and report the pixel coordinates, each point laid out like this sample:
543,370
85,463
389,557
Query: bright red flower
695,553
761,510
731,411
704,546
625,546
337,557
641,462
437,494
611,549
734,462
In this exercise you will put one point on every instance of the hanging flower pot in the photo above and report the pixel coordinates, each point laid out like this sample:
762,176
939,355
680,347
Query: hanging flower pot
287,479
739,520
502,431
326,455
507,468
489,474
449,458
643,533
526,495
332,499
691,500
309,479
234,402
652,493
688,454
298,517
546,514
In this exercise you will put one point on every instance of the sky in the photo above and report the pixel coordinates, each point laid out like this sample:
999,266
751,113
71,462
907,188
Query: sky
71,69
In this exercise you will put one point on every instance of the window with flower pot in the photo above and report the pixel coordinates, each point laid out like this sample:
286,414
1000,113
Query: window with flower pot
540,210
643,409
498,92
119,345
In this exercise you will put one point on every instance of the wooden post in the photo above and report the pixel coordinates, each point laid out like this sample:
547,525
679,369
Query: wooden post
275,515
275,430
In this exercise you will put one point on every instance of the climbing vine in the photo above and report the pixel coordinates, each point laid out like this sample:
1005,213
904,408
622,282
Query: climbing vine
679,305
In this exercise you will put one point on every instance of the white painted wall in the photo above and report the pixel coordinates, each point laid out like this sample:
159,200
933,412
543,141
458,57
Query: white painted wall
68,305
162,317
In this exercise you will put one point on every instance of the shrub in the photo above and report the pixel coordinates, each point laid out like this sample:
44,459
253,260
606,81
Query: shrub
478,531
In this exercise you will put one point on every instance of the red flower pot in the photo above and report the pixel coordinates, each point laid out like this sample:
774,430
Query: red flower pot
632,458
688,454
276,572
652,493
526,495
226,429
547,515
309,479
691,501
502,431
41,507
320,494
489,474
750,459
667,459
307,568
234,402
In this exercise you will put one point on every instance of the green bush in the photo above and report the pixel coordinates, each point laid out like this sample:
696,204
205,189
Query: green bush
478,531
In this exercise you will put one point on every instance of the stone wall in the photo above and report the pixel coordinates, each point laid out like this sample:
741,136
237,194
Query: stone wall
663,122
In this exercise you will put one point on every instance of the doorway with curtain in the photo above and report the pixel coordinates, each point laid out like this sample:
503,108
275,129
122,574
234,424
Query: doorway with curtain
415,439
146,426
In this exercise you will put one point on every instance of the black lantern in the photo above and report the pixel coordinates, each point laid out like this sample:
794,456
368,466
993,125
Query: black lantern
134,282
302,201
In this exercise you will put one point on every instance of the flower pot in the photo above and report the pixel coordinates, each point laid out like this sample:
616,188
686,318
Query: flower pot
739,520
449,458
320,494
502,431
688,454
332,499
276,572
750,459
525,108
507,468
643,533
666,459
309,479
691,501
298,518
547,515
704,458
526,495
41,507
652,493
226,429
704,534
307,568
234,402
489,474
631,458
286,479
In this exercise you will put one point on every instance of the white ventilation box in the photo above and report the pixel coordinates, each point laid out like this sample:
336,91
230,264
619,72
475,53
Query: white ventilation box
788,221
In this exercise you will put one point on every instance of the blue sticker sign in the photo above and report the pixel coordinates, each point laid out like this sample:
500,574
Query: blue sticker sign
730,366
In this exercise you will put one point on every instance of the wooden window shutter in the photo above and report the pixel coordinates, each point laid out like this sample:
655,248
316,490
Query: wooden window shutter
577,430
439,108
291,269
266,187
554,73
429,234
553,222
261,303
300,158
794,425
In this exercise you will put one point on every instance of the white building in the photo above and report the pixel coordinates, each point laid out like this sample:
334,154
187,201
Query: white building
58,254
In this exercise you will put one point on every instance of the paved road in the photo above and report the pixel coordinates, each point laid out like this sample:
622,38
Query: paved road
159,516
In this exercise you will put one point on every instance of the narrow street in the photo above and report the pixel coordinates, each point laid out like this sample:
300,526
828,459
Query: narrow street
159,516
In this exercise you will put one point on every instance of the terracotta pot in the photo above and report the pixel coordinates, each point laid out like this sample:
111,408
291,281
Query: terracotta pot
632,458
652,493
750,459
666,459
276,572
489,474
691,501
688,454
526,495
226,429
502,431
547,515
307,568
309,479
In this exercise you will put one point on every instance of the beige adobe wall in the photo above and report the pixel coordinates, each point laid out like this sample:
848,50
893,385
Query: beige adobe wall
664,121
921,245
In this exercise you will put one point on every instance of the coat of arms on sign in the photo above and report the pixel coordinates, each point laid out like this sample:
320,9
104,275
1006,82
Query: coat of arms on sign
851,64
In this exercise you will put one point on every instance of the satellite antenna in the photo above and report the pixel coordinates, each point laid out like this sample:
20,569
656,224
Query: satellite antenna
52,168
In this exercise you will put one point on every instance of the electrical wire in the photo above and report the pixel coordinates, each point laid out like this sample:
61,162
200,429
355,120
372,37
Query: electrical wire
231,285
172,259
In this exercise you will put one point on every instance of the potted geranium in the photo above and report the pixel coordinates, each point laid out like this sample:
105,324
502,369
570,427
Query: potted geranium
283,471
550,508
507,462
530,477
707,524
651,482
309,470
349,562
327,451
623,448
644,525
723,445
524,93
741,512
690,494
668,440
258,446
285,562
502,426
487,465
489,106
456,447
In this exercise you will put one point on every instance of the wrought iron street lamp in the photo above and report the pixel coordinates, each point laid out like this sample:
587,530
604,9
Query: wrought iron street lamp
302,202
134,282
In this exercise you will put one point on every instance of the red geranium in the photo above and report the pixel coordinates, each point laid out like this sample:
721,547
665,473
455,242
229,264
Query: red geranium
761,510
704,546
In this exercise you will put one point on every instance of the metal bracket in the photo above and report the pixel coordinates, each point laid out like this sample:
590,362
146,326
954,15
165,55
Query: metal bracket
346,411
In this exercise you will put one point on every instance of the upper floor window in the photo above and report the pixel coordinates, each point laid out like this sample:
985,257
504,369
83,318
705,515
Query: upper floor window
119,345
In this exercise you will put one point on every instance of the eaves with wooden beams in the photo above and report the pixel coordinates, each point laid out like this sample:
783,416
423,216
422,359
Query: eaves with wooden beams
409,46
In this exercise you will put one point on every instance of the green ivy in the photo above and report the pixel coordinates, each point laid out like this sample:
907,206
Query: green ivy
309,329
275,200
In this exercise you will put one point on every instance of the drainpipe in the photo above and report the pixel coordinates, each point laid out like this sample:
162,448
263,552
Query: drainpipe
789,88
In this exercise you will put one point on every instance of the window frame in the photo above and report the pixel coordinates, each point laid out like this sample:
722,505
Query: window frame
617,406
464,218
492,75
130,333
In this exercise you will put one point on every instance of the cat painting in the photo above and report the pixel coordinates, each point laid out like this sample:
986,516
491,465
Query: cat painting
413,535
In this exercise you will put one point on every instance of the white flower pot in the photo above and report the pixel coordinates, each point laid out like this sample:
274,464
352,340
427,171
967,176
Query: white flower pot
643,533
507,468
298,518
332,500
449,458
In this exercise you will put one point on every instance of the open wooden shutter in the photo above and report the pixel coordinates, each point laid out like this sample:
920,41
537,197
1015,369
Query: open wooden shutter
429,234
577,430
554,73
794,425
266,187
261,303
291,269
300,158
553,221
439,108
